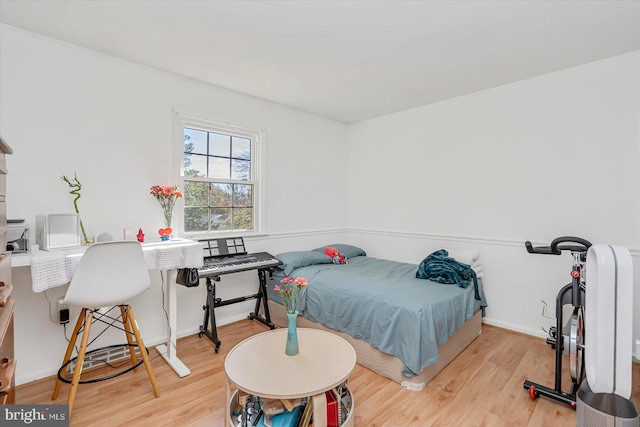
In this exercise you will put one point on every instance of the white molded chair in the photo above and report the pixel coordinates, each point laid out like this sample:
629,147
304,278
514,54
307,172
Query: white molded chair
109,274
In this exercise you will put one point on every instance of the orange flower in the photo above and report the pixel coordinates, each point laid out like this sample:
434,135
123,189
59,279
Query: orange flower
166,196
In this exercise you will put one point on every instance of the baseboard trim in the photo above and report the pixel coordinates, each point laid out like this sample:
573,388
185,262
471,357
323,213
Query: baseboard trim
514,328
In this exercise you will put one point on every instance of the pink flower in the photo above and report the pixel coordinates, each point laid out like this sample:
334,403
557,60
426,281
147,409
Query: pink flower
289,291
301,281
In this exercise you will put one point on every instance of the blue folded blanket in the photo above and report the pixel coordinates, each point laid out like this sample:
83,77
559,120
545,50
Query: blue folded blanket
439,267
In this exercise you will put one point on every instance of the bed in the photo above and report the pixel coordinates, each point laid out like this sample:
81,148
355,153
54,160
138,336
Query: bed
403,328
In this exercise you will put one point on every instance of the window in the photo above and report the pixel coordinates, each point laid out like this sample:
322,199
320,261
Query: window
220,173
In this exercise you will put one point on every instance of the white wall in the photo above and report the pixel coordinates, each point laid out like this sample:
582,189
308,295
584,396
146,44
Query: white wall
534,160
67,110
553,155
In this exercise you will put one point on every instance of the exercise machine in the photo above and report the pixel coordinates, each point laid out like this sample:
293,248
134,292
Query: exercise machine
566,339
598,335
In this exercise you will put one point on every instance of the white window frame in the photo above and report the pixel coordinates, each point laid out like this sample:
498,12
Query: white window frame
182,119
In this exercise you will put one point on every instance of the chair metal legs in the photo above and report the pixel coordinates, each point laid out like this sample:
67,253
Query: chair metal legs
130,327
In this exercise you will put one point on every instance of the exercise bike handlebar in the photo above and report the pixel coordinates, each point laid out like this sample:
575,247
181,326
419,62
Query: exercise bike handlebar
580,245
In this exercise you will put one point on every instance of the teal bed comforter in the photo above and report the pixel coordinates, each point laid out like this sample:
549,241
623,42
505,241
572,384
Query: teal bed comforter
383,303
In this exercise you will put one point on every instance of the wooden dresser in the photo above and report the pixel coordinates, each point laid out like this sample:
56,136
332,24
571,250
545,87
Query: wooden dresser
7,359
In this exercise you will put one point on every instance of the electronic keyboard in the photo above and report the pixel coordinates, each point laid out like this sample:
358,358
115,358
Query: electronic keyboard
235,263
225,256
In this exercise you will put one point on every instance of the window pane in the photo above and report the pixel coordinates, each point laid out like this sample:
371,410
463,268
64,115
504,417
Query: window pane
219,145
220,195
224,198
243,218
198,166
219,168
242,196
241,148
195,141
195,219
221,219
189,169
241,170
196,194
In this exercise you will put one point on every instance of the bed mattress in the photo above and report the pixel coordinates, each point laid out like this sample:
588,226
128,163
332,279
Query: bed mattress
383,304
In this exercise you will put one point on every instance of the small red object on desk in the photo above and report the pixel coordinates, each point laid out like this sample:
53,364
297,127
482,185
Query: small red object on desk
140,236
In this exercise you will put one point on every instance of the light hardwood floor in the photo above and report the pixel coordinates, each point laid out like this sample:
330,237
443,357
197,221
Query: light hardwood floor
482,387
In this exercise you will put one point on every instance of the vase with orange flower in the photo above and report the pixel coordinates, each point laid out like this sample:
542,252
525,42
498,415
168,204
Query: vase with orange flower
166,196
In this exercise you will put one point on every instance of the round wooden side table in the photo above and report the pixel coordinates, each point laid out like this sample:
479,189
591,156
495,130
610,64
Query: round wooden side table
259,366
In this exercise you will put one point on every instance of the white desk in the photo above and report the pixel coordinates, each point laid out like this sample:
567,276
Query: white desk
50,269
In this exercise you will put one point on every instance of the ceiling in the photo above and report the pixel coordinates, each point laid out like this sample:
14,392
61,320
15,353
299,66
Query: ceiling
344,60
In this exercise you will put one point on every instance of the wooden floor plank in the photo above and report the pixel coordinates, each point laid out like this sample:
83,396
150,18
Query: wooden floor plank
481,387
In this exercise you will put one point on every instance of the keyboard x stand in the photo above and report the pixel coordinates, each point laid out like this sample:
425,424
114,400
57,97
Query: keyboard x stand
213,303
262,262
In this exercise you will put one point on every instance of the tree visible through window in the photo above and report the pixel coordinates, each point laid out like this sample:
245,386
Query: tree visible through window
219,186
